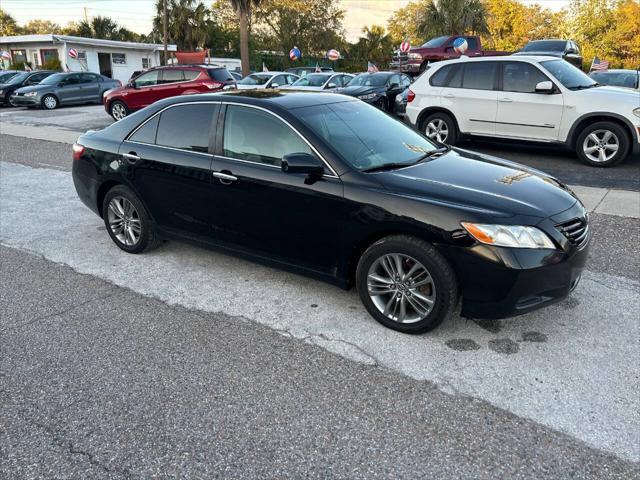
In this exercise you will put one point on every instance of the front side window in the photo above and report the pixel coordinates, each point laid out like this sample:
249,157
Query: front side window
255,79
369,80
279,81
521,77
479,75
311,80
257,136
364,136
147,79
186,127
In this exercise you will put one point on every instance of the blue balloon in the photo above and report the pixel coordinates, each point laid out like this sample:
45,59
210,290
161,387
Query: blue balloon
295,53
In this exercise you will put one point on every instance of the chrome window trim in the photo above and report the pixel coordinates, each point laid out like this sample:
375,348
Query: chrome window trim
209,155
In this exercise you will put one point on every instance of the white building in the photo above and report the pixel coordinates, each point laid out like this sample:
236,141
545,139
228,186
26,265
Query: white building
112,58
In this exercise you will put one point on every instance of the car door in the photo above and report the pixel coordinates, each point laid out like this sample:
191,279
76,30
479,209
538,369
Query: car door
69,90
90,87
469,93
263,209
168,162
521,111
144,92
171,84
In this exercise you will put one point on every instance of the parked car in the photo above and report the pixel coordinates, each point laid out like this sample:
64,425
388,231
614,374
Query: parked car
618,78
236,75
411,224
534,98
379,89
321,81
162,82
303,71
262,80
565,49
23,79
64,89
418,59
6,75
400,109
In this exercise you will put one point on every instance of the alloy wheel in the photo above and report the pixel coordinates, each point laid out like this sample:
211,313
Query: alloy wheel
437,129
124,221
401,288
118,111
601,145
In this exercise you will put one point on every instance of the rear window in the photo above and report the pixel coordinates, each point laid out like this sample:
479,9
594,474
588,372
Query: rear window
220,75
479,75
186,127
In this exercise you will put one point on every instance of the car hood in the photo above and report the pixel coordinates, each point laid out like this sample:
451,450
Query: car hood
623,95
34,88
356,91
482,184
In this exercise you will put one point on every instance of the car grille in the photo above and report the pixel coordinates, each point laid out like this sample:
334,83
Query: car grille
398,56
576,231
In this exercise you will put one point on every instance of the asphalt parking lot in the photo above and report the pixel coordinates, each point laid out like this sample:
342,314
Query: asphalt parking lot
221,367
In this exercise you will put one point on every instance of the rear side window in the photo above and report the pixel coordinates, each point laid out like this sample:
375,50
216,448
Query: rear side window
186,127
479,75
439,78
220,75
191,74
147,132
449,76
172,75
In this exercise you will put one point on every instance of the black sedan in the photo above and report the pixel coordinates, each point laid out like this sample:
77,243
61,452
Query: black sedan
334,188
20,80
379,89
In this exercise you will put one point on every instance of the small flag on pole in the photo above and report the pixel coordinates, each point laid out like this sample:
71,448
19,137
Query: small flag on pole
598,64
264,67
371,68
318,69
27,68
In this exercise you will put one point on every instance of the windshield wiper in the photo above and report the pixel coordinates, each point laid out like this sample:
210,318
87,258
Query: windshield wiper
395,166
585,87
431,153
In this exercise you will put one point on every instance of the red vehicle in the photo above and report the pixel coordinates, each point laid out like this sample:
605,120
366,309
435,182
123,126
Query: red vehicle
416,60
162,82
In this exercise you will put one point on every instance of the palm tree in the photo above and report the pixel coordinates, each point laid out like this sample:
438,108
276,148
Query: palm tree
453,17
243,8
188,23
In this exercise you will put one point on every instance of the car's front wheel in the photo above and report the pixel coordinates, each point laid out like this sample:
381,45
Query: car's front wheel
127,221
118,110
406,284
440,127
50,102
602,144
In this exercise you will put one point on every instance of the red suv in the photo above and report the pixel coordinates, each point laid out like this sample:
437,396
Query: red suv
162,82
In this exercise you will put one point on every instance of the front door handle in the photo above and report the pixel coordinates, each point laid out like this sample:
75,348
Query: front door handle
449,95
131,157
225,178
505,100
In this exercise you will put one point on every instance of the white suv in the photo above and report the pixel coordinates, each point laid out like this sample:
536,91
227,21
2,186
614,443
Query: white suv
526,98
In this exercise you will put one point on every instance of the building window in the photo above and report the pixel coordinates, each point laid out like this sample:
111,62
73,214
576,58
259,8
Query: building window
82,55
118,58
36,59
146,62
19,56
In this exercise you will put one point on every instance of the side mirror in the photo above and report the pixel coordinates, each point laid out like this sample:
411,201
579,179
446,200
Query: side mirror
394,86
332,85
544,87
570,51
302,163
274,85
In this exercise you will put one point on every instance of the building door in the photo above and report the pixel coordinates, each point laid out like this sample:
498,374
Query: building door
104,62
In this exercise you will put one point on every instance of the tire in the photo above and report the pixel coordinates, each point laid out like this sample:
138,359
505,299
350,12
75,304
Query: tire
118,110
7,101
602,144
144,237
383,300
440,127
50,102
382,104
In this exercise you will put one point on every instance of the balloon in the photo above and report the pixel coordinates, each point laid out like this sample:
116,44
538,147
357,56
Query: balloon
460,45
295,53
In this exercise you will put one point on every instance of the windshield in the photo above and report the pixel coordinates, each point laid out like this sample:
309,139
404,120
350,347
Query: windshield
571,77
255,79
364,136
545,46
4,77
311,80
19,78
435,42
617,79
369,80
53,79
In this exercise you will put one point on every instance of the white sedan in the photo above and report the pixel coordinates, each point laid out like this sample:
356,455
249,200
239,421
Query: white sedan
262,80
321,81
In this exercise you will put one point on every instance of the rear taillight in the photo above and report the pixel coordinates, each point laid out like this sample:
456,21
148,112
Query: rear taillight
78,150
410,96
215,85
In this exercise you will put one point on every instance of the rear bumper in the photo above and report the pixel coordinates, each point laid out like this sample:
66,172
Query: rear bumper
86,186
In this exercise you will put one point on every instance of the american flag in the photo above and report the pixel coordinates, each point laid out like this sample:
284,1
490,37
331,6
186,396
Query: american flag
264,67
598,64
371,68
318,69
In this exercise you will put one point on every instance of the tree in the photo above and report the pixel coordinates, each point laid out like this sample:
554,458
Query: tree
8,25
405,23
243,9
41,27
453,17
375,46
100,27
188,24
622,42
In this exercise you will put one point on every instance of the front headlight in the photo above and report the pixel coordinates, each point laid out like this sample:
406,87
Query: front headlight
415,56
515,236
30,94
1,92
636,111
368,96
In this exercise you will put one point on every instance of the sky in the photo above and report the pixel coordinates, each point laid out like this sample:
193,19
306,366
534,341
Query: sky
136,15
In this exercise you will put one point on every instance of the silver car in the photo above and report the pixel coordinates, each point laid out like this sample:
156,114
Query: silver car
321,81
64,89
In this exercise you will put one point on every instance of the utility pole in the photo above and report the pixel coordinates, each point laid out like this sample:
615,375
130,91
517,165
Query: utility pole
164,28
86,16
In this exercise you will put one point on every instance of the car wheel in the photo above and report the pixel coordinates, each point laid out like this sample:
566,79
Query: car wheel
127,221
381,103
118,110
440,127
49,102
602,144
406,284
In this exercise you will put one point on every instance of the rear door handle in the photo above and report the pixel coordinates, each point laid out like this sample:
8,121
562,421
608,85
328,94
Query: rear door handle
225,178
131,157
449,95
505,100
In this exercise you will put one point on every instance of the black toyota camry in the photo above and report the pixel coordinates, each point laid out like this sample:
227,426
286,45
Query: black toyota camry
332,187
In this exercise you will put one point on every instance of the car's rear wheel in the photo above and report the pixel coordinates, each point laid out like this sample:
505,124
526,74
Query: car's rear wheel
602,144
406,284
127,221
440,127
50,102
118,110
381,103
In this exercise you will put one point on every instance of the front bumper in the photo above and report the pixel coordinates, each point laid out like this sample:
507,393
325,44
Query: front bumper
22,101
